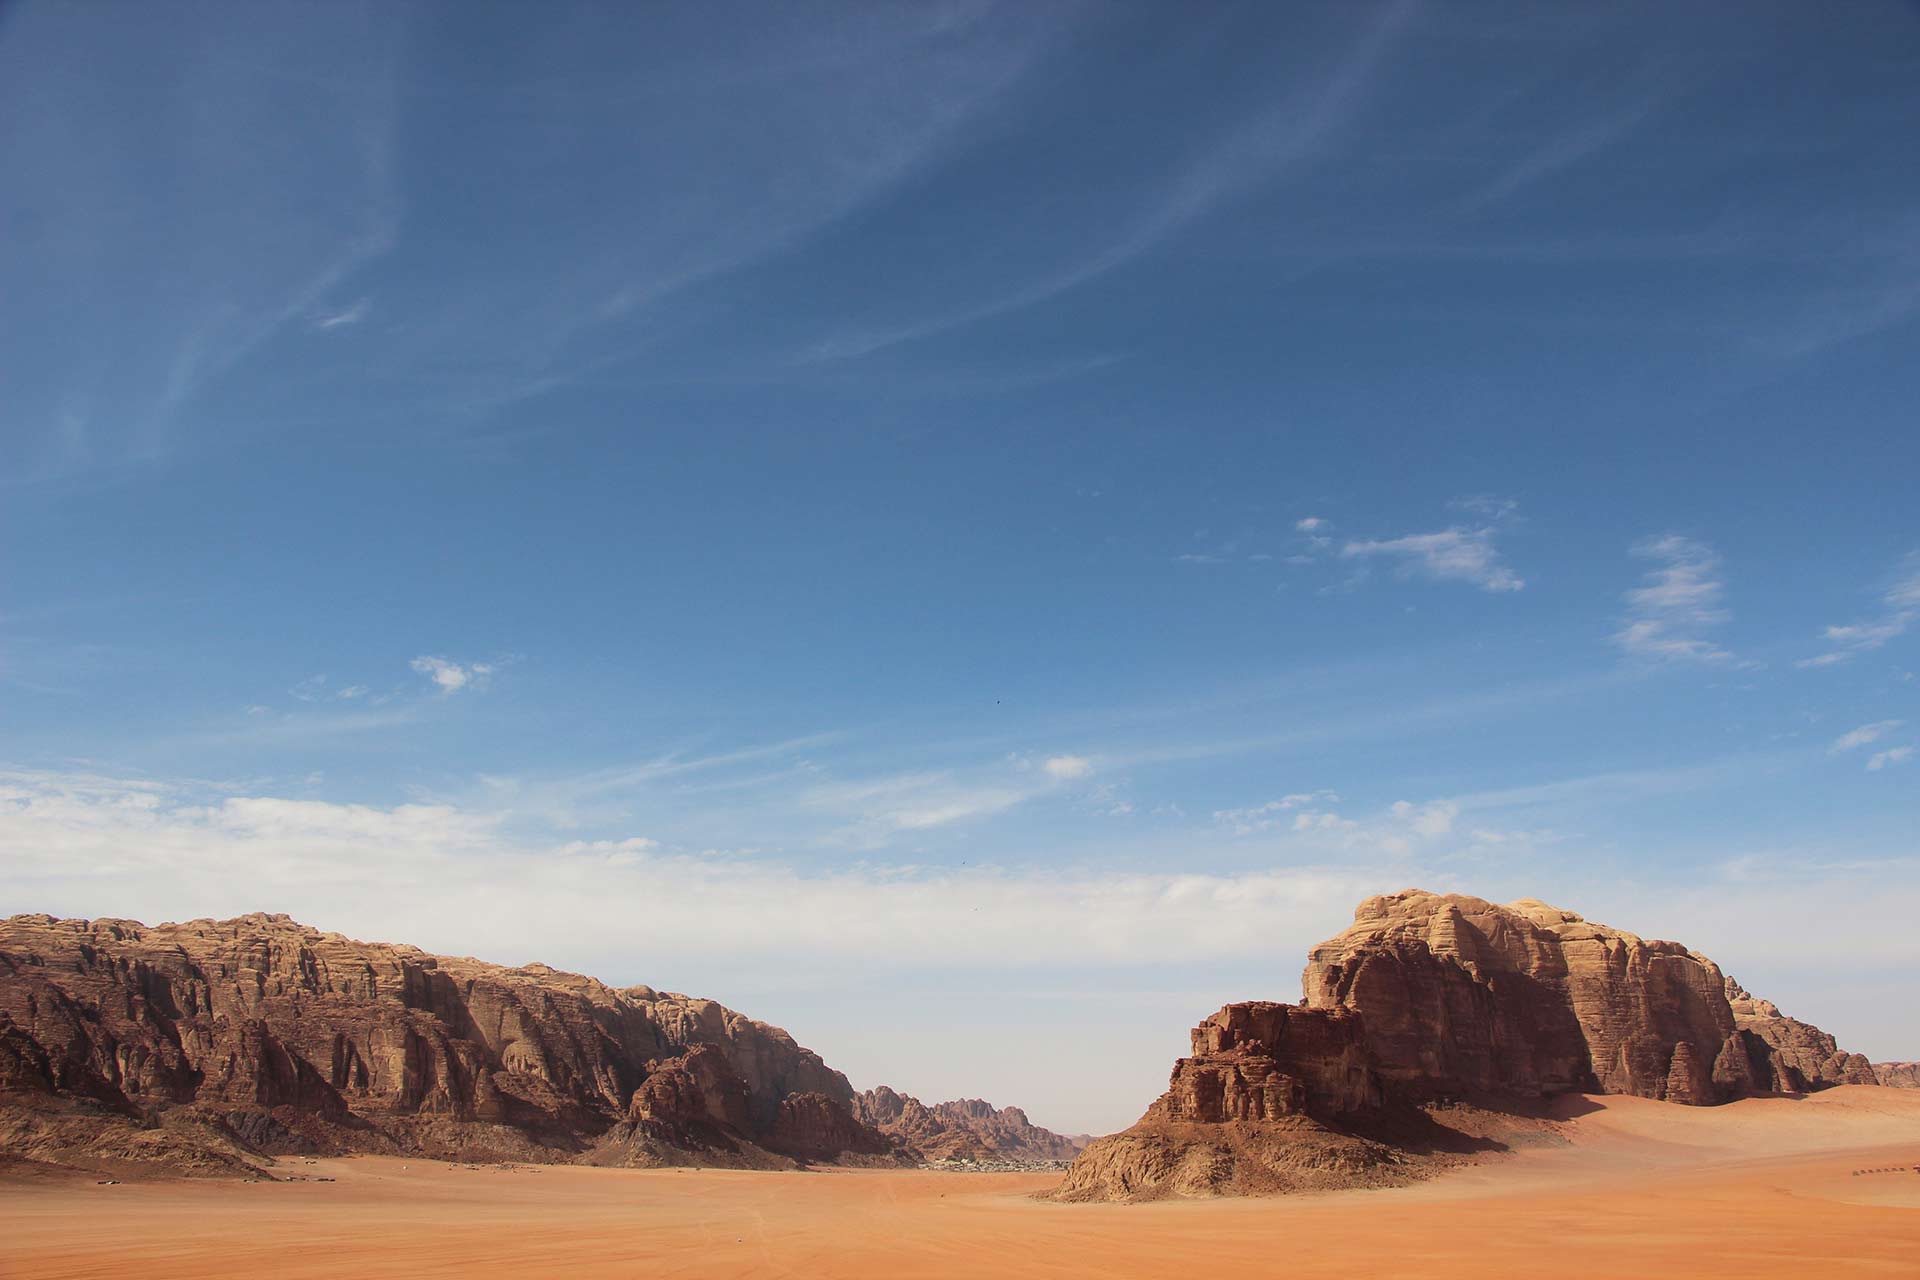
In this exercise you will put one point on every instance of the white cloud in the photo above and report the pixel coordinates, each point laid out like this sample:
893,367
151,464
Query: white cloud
1068,767
877,808
1262,817
459,881
1892,756
352,691
1484,504
1864,734
1310,524
1902,601
345,316
1458,555
450,677
1404,828
1431,820
1666,618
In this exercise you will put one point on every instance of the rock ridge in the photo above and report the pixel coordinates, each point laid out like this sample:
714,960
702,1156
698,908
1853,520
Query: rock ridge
965,1129
207,1044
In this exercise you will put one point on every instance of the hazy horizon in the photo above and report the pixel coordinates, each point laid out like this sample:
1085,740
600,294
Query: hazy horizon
975,533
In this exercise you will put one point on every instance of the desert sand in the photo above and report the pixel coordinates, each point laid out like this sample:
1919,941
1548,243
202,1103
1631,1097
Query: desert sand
1760,1187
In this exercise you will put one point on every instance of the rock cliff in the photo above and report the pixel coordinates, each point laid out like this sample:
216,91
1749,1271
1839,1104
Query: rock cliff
1428,1001
1897,1075
1792,1056
208,1043
964,1129
1464,998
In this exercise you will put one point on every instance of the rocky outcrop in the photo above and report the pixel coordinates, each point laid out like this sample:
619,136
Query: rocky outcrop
1897,1075
1262,1060
260,1035
1788,1055
966,1129
1465,998
813,1126
1428,1001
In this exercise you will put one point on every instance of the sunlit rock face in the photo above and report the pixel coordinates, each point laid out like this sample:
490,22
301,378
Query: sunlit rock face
1463,997
1792,1056
1435,999
273,1036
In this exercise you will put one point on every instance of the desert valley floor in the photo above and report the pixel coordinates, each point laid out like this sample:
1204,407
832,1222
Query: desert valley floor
1824,1185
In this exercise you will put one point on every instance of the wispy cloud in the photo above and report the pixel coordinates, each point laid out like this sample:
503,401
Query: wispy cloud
1067,768
1863,735
1901,602
1253,153
1402,829
1591,134
451,677
348,315
1451,555
1668,617
1273,813
1892,756
458,876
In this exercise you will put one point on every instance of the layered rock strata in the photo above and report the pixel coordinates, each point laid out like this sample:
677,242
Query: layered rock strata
213,1042
1432,1000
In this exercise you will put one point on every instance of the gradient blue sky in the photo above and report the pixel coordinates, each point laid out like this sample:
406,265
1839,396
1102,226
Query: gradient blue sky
967,527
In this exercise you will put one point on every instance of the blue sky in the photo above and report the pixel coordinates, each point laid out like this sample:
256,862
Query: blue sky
974,531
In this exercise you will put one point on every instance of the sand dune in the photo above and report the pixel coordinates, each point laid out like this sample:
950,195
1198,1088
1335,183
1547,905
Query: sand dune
1762,1187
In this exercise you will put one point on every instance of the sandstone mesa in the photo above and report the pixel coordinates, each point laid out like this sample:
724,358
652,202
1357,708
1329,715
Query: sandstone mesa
1440,1026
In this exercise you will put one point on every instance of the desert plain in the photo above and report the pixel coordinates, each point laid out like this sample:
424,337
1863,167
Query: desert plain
1822,1185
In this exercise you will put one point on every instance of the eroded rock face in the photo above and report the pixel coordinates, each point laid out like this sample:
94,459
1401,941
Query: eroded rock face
1897,1075
964,1129
1262,1060
1462,997
281,1037
1791,1056
1430,999
812,1126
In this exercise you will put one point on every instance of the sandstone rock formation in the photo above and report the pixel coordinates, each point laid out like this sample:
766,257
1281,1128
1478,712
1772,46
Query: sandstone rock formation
1430,1000
1791,1056
1897,1075
1465,998
204,1045
964,1129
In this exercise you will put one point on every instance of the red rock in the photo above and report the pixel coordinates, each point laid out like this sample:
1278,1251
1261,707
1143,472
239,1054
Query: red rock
1465,998
1427,999
1791,1056
1897,1075
812,1126
1262,1060
267,1034
963,1129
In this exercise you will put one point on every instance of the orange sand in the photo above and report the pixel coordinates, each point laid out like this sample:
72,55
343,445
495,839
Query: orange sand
1761,1188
